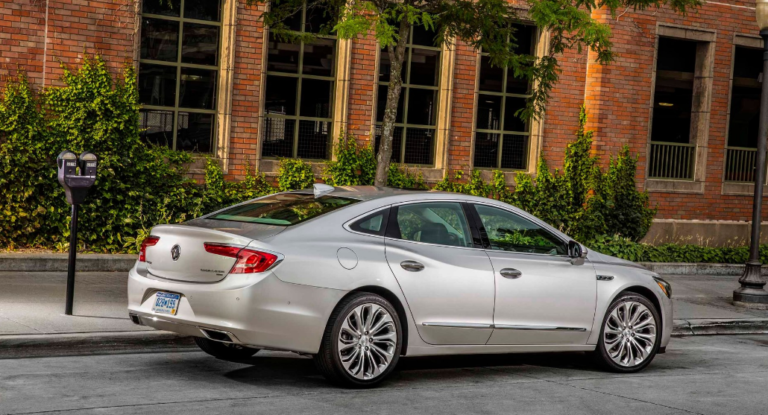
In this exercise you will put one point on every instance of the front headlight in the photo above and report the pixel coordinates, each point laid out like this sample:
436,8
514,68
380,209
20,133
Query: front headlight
665,287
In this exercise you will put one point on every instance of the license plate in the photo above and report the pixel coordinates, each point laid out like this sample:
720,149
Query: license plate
166,303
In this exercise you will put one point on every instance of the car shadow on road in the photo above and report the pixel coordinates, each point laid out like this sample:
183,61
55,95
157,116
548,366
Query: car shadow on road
294,371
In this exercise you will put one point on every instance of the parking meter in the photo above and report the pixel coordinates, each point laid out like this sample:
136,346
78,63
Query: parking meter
76,183
76,175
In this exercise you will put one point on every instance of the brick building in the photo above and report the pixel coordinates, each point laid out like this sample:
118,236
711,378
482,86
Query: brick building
683,94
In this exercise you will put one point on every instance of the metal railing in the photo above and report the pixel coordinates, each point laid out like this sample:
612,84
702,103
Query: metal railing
740,164
672,160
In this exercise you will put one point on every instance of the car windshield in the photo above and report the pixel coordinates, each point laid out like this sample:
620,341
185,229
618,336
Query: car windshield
283,209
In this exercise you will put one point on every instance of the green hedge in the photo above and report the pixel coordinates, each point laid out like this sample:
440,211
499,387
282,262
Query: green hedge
639,252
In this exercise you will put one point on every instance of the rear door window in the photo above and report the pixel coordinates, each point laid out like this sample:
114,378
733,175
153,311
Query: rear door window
283,209
441,223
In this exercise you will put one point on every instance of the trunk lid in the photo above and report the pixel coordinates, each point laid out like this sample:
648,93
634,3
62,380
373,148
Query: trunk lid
192,262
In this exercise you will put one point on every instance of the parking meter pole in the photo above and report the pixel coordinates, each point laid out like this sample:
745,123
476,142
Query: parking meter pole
71,265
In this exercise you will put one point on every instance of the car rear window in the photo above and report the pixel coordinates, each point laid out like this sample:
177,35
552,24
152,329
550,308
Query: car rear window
284,209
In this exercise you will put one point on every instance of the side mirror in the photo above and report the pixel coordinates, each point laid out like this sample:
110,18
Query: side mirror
577,252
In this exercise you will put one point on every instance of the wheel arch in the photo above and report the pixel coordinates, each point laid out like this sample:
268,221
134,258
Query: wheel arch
647,293
392,298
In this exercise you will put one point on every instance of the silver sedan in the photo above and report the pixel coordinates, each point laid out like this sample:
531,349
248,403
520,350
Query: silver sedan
359,276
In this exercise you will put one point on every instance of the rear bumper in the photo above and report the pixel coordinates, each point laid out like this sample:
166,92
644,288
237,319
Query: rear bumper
253,310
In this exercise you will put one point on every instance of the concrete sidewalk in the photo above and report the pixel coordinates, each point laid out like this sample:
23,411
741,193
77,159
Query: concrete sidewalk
32,312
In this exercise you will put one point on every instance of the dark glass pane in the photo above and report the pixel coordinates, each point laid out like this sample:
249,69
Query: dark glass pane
744,118
197,89
278,137
488,112
293,22
422,104
316,98
422,36
486,150
673,94
159,39
319,57
385,66
381,103
283,56
509,232
491,77
165,7
314,139
424,67
513,122
318,18
397,142
517,85
418,145
514,152
524,39
157,127
202,9
280,95
748,63
195,132
676,55
200,44
157,85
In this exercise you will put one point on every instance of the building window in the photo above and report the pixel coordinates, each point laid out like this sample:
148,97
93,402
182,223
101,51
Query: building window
672,152
299,91
744,117
178,73
502,139
413,140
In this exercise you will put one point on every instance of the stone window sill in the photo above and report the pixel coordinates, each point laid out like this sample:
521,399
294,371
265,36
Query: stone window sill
674,186
741,189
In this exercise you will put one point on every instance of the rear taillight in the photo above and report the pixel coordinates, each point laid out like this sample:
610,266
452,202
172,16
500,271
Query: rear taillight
148,241
248,261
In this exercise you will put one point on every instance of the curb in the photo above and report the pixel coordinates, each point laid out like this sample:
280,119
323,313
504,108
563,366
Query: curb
710,327
679,268
68,344
58,262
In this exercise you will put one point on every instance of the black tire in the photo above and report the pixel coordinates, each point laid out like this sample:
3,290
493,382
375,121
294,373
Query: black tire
225,351
328,361
601,355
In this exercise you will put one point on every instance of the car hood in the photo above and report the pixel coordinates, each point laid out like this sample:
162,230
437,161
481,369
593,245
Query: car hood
596,257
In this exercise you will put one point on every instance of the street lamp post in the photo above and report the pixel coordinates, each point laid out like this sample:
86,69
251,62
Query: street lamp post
751,292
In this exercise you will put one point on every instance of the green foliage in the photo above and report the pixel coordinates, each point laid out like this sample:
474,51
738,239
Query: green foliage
581,200
402,178
137,186
633,251
295,174
355,165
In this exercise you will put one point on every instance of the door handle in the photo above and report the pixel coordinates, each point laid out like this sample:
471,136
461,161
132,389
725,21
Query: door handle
412,266
510,273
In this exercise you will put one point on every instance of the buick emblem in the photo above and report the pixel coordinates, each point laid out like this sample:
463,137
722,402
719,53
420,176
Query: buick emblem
175,252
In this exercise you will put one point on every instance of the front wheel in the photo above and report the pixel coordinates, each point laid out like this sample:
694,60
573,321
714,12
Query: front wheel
630,335
225,351
362,342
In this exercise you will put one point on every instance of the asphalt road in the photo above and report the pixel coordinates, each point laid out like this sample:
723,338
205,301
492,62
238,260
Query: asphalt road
701,375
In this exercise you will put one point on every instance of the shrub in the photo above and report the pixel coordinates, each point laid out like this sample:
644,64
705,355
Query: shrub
633,251
294,174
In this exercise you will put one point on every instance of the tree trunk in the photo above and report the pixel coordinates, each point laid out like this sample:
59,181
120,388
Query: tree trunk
396,57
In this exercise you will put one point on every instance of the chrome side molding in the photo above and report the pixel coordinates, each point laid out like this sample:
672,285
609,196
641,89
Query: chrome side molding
502,326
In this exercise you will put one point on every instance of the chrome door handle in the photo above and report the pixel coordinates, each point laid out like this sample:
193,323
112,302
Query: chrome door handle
510,273
412,266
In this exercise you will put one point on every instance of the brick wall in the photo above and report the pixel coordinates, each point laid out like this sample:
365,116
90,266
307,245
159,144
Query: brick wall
463,110
362,87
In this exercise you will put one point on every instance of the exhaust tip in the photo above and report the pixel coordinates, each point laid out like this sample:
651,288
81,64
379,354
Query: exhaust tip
135,319
215,335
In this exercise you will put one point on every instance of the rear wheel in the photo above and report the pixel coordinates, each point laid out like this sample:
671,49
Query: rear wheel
630,334
225,351
362,342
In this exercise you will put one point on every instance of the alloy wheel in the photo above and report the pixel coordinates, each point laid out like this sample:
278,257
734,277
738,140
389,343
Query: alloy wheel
630,334
367,341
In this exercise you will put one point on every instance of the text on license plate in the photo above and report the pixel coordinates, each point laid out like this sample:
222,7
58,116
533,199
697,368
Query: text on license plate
166,303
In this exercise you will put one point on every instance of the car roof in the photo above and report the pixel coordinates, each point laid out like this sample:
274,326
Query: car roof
366,193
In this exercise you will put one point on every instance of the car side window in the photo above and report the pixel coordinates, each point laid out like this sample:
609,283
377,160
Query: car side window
441,223
510,232
373,224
